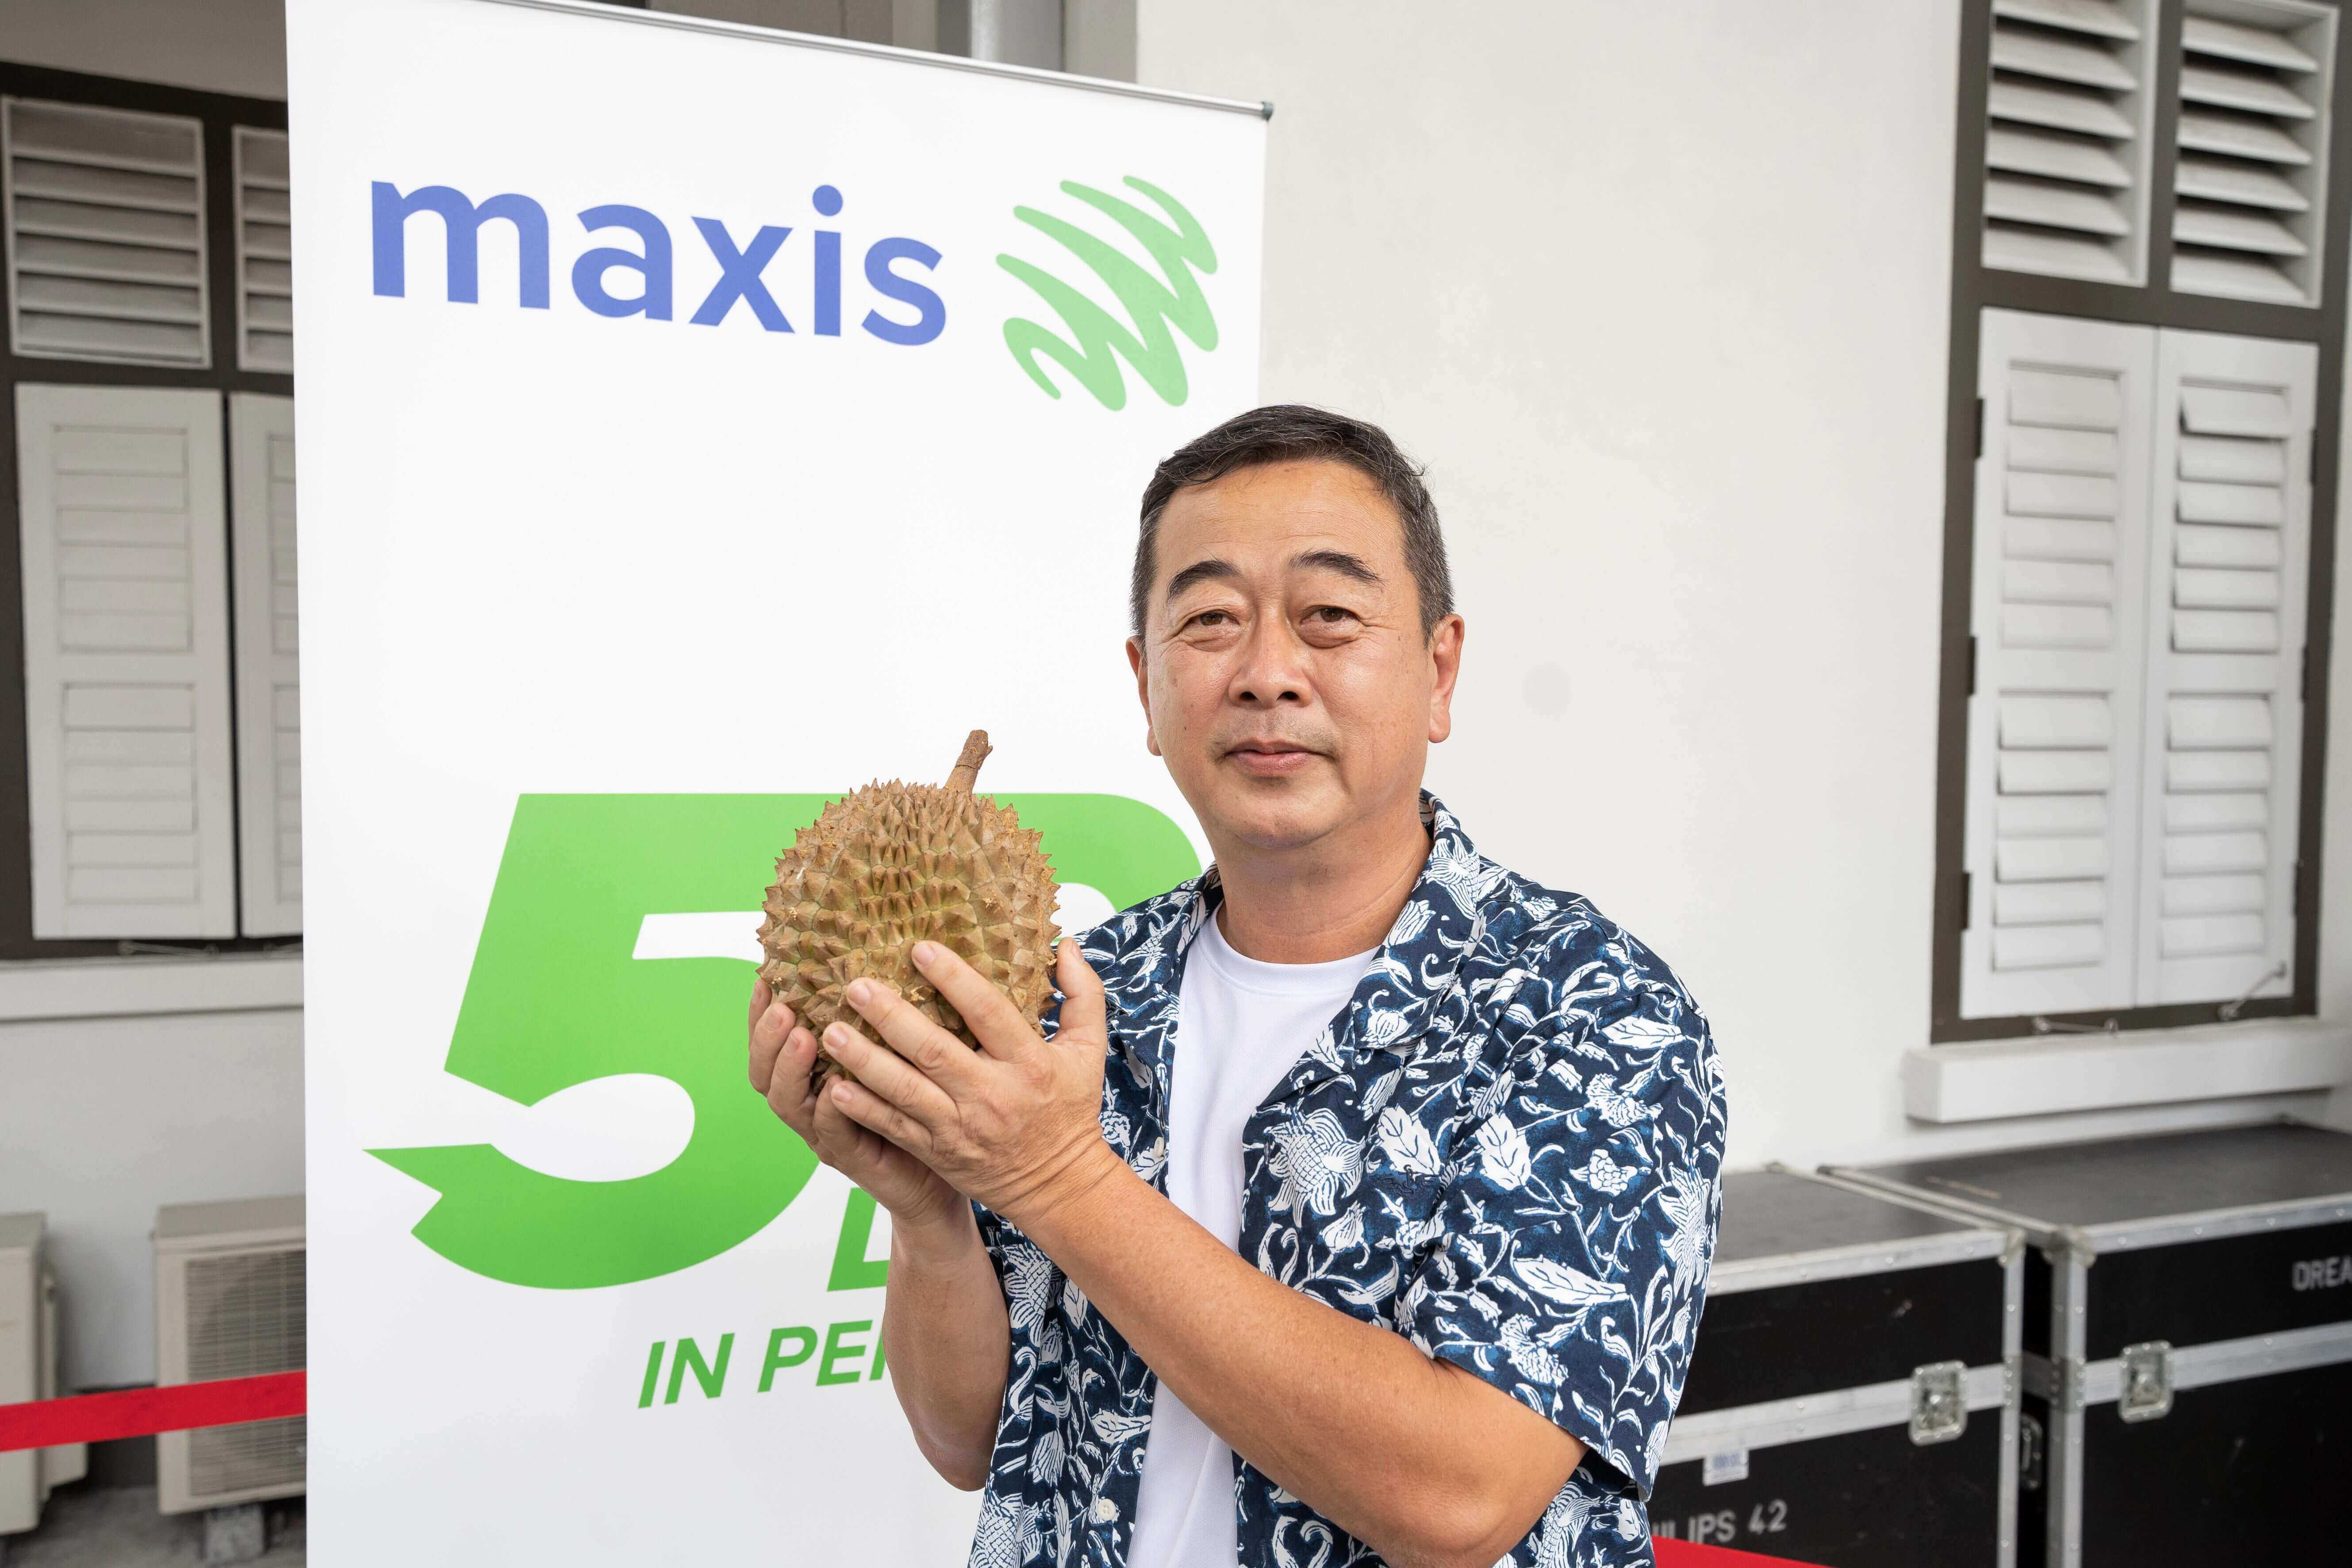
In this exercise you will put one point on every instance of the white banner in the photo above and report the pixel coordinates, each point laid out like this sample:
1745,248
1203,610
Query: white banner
694,422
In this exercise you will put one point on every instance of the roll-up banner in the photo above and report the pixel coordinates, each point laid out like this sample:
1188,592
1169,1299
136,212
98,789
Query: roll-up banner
694,422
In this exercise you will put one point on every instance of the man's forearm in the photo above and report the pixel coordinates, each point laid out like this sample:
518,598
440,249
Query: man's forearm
947,1339
1413,1456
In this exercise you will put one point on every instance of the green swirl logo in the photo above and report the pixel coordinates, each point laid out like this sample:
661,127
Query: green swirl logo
1154,303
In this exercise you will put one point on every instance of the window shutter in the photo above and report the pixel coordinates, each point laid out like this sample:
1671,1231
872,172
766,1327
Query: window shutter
2252,174
2057,605
268,693
265,255
106,234
126,661
2230,548
2066,149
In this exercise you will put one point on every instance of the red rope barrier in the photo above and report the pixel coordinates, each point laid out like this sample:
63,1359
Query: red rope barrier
1690,1555
143,1411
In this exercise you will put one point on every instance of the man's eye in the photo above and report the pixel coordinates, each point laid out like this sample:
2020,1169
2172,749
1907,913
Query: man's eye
1329,615
1212,618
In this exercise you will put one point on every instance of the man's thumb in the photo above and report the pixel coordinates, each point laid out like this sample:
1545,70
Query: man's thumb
1083,1009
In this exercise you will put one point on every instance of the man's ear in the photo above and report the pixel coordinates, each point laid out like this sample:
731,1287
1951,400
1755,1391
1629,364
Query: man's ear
1142,667
1445,662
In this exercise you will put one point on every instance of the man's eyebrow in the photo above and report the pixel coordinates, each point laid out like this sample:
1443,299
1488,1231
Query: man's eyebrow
1339,561
1352,567
1207,571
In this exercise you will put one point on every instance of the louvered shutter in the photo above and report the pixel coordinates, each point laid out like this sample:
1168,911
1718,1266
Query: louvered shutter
269,694
106,234
2058,599
126,661
2066,143
2230,553
265,255
2252,177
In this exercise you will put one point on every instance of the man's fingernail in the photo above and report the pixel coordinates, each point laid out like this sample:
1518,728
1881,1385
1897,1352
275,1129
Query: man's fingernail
927,952
861,991
836,1035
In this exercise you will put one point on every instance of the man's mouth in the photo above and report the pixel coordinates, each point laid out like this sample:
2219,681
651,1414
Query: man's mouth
1270,759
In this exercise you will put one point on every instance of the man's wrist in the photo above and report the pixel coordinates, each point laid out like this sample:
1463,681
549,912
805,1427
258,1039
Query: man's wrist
1059,1206
940,1236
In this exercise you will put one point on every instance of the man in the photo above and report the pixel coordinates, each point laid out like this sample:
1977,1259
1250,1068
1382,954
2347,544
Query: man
1358,1209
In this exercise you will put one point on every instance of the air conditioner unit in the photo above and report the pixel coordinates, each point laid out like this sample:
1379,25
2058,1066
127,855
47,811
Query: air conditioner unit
229,1303
28,1370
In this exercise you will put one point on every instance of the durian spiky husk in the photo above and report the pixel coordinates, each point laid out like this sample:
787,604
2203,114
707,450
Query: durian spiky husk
886,867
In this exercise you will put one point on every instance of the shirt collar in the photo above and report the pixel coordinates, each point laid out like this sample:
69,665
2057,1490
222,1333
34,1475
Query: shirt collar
1416,965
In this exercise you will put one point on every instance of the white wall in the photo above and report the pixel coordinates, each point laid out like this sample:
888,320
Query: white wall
102,1119
1099,38
1661,294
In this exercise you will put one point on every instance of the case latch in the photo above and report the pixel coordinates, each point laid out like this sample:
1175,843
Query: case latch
1939,1405
2147,1393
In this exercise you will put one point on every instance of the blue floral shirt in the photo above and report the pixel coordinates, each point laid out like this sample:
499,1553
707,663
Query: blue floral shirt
1505,1148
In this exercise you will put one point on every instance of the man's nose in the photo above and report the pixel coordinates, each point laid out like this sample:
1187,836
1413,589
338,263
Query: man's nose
1272,671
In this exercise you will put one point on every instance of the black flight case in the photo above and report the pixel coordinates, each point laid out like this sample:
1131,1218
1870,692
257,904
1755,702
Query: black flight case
1850,1399
2188,1368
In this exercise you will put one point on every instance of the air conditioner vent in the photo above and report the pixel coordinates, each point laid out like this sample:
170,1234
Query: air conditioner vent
28,1370
2066,150
2252,177
246,1317
265,256
230,1301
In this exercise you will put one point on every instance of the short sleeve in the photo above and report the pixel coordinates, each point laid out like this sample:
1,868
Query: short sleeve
1577,1219
995,1235
1029,1277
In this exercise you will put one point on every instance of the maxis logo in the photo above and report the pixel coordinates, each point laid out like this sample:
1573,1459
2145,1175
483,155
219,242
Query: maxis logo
599,270
619,940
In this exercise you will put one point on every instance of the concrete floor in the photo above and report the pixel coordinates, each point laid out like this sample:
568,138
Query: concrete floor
117,1527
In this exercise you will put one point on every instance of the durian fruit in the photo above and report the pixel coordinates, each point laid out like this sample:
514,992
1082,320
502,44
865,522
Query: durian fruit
891,864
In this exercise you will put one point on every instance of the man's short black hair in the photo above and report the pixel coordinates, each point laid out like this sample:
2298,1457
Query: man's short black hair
1282,433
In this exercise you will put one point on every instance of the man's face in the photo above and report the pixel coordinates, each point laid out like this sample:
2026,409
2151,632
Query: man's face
1282,666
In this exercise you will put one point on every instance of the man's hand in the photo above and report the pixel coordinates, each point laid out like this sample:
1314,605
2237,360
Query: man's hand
1016,1125
784,1053
944,1326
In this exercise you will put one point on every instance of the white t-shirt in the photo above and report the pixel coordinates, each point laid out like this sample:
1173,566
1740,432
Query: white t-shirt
1241,1026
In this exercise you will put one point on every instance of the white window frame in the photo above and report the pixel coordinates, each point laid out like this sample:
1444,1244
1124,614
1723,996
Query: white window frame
2149,365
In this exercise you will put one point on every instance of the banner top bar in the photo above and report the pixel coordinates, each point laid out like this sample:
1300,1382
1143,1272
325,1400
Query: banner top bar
1263,110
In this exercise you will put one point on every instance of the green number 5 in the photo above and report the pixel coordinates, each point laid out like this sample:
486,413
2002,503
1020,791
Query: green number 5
557,997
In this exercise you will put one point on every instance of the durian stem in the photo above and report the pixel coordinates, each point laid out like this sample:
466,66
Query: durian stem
967,768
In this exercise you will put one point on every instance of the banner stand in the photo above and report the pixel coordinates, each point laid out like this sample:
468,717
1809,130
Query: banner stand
694,421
